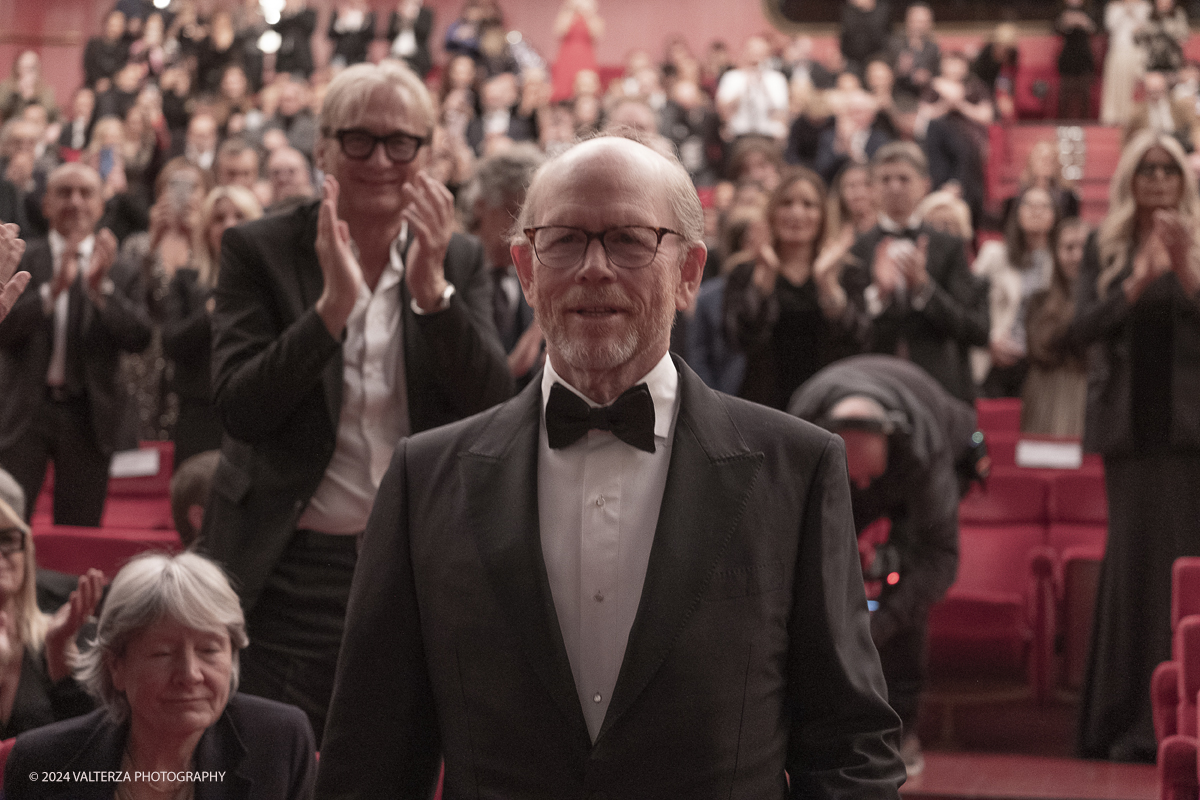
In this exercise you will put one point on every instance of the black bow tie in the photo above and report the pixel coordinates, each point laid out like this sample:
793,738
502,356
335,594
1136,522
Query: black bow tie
630,417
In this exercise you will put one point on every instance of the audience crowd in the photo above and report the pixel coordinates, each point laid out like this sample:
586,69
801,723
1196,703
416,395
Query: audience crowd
844,197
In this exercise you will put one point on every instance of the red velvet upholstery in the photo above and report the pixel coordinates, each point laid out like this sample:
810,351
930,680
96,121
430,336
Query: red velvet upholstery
1187,656
1078,496
997,620
1164,699
1177,768
1011,495
999,414
74,550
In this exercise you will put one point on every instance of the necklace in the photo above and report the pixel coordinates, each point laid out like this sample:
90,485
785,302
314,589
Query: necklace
174,790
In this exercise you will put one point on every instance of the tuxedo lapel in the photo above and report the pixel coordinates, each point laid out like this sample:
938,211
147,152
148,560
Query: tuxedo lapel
708,484
499,475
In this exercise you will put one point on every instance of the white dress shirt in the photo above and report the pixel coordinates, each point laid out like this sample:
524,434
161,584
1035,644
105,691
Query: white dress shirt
56,374
762,95
598,505
374,414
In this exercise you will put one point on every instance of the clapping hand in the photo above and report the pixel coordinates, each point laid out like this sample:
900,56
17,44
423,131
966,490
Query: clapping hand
104,253
1179,244
12,283
912,264
66,622
429,212
339,266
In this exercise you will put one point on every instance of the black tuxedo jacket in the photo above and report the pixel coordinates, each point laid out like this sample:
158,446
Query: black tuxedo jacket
940,335
750,654
277,381
264,748
27,339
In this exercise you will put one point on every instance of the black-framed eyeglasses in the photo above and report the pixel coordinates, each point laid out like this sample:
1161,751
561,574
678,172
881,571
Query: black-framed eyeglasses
359,144
1169,169
628,246
12,540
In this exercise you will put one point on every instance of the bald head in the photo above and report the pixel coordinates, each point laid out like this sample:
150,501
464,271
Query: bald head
662,179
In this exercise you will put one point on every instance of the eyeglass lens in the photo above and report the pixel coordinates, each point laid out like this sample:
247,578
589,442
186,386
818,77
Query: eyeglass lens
400,147
630,247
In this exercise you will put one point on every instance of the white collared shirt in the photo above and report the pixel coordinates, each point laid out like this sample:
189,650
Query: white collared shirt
598,505
374,415
56,374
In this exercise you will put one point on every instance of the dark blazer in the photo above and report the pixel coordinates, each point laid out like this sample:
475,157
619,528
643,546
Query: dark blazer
277,381
938,336
1106,326
265,749
27,339
750,654
187,335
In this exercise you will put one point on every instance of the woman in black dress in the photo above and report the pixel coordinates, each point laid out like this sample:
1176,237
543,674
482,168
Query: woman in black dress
785,308
1138,307
187,324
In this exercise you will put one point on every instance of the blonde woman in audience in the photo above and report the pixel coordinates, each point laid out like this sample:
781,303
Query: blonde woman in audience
1056,388
187,321
37,651
1138,309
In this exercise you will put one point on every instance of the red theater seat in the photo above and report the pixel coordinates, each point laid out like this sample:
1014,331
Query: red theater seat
1078,496
995,627
998,414
75,550
1011,495
1177,768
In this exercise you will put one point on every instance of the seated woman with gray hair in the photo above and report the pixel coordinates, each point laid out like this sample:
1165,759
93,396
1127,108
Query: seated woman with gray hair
164,665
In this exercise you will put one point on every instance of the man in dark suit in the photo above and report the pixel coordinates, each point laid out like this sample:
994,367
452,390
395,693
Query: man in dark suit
493,199
59,350
916,296
339,328
647,590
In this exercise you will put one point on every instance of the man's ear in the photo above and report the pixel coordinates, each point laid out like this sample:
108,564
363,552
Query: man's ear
691,273
522,258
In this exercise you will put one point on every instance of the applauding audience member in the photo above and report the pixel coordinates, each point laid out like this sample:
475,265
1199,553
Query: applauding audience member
59,350
1056,387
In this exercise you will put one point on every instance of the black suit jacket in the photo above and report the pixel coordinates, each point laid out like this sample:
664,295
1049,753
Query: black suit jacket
264,748
940,335
27,339
277,381
750,653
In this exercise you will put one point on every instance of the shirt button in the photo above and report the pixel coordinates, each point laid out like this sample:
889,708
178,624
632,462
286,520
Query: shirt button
599,597
596,698
600,501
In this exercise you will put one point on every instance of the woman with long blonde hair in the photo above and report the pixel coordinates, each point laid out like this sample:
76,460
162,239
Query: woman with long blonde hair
1138,308
187,320
37,650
